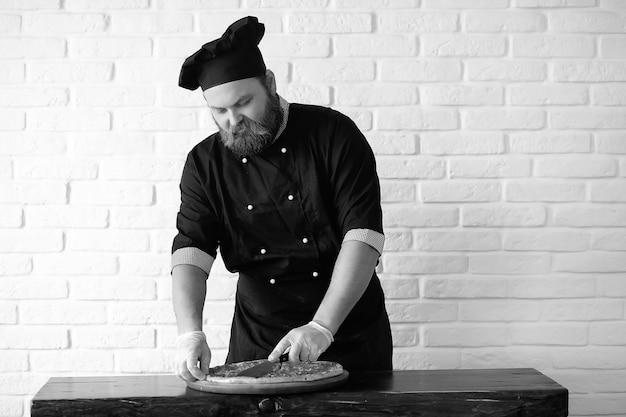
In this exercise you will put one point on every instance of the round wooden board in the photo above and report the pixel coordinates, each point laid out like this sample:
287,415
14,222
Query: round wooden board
275,388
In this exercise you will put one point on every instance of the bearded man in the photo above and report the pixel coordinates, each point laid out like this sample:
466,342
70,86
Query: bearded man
289,195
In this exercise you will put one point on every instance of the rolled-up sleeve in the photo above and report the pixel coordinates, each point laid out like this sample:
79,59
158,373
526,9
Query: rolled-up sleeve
198,228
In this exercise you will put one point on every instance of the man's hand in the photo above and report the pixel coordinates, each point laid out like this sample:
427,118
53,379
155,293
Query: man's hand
191,349
305,343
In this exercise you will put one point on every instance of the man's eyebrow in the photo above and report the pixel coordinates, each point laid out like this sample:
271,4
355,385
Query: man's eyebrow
239,101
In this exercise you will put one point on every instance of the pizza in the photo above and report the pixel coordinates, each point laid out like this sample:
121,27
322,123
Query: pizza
282,372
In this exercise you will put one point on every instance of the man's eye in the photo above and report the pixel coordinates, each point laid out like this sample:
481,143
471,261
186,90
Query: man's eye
219,111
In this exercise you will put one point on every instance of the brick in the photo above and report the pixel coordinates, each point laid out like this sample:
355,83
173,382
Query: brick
590,216
543,95
608,191
31,47
33,192
68,120
411,216
463,287
111,47
65,23
375,95
12,120
66,217
141,313
420,70
24,288
155,71
13,361
214,24
114,193
33,337
175,47
507,215
396,167
109,144
142,218
552,286
576,167
306,4
612,4
145,264
461,95
459,191
608,334
320,96
396,192
116,96
516,264
466,336
410,312
404,335
21,384
400,288
10,23
107,240
506,22
590,262
584,310
141,169
6,168
497,310
73,361
329,23
112,337
70,72
113,288
490,167
160,240
600,118
612,48
145,361
11,72
609,95
300,46
555,3
151,23
8,313
167,193
546,240
463,46
30,4
62,312
359,4
424,264
397,143
31,97
456,241
465,4
76,264
49,168
333,72
526,357
362,119
426,359
609,240
375,44
106,4
417,22
27,240
502,70
549,334
197,4
545,190
461,143
589,71
609,358
549,142
497,119
155,120
10,216
587,22
417,118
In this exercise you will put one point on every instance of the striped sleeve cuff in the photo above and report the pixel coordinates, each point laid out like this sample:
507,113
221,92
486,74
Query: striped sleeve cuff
192,256
370,237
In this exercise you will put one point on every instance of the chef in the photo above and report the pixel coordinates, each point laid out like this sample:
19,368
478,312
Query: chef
288,193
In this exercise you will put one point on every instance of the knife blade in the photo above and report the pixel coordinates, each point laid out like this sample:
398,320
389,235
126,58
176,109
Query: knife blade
263,368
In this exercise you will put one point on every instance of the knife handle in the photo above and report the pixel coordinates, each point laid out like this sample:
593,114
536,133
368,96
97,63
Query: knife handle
284,357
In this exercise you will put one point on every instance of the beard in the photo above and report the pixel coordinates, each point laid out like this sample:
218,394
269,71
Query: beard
249,137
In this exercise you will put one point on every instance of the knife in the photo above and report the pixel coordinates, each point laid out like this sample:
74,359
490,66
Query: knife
264,367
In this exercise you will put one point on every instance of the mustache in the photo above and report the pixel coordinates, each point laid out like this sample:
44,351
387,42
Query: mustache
248,125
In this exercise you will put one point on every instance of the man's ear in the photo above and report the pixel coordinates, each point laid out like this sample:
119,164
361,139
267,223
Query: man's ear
271,81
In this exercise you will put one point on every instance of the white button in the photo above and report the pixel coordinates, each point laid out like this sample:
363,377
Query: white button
244,160
290,197
263,251
272,281
250,207
305,240
315,274
283,150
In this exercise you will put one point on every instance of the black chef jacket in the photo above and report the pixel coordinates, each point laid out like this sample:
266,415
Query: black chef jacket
279,218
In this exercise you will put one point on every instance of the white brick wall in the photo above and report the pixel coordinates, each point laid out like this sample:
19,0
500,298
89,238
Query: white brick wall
499,129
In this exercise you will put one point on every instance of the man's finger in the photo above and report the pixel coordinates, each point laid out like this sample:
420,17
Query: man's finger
192,365
294,353
205,361
280,348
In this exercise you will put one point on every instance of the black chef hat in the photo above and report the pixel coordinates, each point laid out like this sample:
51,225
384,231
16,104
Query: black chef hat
232,57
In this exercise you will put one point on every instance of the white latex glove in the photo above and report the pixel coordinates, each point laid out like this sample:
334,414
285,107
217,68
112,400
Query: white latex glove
305,343
192,348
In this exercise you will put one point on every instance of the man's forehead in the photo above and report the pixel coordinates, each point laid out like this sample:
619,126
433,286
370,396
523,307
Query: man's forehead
228,94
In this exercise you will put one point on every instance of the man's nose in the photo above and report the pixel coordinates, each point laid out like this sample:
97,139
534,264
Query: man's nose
234,117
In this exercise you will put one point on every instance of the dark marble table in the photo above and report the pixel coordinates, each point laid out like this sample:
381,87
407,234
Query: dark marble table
422,393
